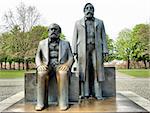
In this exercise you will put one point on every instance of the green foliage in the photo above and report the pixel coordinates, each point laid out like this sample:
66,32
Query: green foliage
123,45
134,44
141,36
17,45
3,58
62,36
110,44
9,59
30,59
40,32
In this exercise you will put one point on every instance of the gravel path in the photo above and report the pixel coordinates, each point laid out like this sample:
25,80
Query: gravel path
9,87
140,86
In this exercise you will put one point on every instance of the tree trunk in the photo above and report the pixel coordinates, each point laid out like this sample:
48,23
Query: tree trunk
19,65
23,65
128,63
145,64
5,65
1,65
10,65
27,66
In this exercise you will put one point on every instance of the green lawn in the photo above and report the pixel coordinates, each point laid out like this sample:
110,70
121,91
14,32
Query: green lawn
136,72
11,74
131,72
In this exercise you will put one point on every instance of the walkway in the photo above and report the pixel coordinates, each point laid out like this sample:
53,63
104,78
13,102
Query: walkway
9,87
140,86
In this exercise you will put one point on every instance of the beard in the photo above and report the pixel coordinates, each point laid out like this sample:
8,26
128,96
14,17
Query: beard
54,37
89,14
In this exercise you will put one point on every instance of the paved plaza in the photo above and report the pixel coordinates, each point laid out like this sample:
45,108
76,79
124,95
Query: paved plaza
140,86
134,93
9,87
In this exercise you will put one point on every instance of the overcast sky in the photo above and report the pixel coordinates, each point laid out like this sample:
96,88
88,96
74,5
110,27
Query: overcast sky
116,14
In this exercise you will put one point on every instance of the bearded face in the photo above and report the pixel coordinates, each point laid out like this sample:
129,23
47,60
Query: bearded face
89,11
54,31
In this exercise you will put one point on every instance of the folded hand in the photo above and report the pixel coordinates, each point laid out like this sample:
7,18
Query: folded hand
63,67
42,67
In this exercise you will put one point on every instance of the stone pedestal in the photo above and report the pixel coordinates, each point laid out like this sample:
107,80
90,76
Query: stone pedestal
31,88
118,104
108,86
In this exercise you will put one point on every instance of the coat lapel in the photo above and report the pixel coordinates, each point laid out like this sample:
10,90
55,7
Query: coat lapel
60,50
47,50
95,23
82,22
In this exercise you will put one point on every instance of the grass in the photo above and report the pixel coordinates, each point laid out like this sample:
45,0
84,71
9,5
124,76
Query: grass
136,72
11,74
132,72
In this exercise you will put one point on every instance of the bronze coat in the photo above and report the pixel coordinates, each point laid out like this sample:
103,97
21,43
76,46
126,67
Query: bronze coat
79,46
65,53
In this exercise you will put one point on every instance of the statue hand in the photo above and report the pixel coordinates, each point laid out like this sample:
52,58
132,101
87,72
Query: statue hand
105,55
63,67
42,67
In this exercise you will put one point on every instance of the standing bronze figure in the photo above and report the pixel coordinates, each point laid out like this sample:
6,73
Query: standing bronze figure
89,44
54,58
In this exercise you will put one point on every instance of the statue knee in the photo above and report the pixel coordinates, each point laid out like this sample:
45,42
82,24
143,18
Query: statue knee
42,74
62,72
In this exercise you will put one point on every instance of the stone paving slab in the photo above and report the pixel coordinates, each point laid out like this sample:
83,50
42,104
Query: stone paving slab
11,82
9,87
11,100
119,104
140,86
137,99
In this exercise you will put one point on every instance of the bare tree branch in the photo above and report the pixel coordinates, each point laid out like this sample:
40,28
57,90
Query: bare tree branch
26,17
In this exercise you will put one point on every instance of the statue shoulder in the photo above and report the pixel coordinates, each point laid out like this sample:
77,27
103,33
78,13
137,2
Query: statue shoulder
99,20
64,41
67,43
43,41
79,21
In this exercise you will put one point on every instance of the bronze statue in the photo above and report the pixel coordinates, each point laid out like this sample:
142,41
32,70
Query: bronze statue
90,47
54,58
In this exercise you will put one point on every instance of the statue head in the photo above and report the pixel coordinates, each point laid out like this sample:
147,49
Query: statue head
54,31
88,10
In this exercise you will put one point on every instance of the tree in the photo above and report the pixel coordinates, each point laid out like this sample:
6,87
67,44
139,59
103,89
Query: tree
17,42
123,46
34,36
25,17
110,44
141,35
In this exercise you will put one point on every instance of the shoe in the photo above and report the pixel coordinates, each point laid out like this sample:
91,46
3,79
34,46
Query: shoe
81,97
64,108
39,108
100,98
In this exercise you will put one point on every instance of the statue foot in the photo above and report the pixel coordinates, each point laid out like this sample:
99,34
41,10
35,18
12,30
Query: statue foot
39,108
81,97
64,108
100,98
